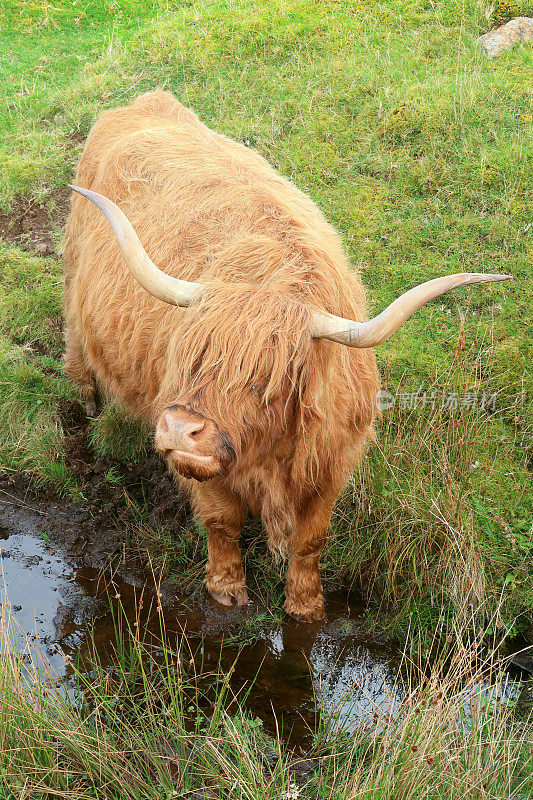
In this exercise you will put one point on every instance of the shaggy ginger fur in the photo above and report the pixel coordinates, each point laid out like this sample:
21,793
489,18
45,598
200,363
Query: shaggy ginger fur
297,410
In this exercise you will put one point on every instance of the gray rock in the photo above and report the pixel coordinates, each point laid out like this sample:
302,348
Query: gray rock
517,30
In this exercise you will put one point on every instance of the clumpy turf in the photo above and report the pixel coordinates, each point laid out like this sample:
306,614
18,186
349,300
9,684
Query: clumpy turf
416,148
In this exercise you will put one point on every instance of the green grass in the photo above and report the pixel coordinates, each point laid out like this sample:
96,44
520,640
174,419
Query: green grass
419,150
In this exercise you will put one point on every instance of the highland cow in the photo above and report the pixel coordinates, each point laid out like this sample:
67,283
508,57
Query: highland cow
246,347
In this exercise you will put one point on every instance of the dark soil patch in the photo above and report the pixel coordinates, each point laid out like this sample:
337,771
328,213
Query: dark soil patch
90,541
146,484
41,348
103,530
78,137
84,539
32,226
38,349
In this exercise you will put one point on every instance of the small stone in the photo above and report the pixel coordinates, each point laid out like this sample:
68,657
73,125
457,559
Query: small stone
517,30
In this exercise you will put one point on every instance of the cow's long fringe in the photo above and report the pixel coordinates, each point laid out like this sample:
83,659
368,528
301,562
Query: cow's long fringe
248,338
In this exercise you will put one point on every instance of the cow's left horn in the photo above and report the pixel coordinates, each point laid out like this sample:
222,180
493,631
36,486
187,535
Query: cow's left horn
165,287
376,330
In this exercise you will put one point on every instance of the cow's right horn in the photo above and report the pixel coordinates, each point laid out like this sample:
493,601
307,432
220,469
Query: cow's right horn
165,287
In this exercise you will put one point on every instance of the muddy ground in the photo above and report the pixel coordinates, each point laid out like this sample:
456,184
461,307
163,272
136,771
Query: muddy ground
32,226
146,483
109,507
67,569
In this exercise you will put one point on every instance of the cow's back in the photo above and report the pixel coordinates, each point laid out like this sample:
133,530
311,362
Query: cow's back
189,192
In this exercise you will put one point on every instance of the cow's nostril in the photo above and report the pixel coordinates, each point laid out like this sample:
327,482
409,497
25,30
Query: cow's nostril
196,429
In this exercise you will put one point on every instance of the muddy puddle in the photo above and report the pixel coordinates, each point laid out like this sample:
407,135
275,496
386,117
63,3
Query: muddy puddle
57,593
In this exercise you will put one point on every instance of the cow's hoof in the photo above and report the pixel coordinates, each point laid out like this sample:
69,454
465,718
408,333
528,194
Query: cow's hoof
305,613
91,405
241,598
223,599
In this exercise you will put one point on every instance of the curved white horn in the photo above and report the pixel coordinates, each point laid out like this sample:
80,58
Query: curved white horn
165,287
376,330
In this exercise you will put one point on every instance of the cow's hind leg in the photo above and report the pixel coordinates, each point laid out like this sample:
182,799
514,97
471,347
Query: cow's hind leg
78,371
303,588
223,515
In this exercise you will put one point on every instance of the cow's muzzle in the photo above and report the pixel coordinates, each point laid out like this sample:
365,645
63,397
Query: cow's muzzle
192,444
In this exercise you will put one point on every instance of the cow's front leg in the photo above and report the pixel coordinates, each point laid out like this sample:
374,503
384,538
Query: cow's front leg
223,514
303,588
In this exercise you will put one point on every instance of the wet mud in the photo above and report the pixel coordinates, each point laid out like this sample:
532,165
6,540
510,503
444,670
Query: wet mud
146,483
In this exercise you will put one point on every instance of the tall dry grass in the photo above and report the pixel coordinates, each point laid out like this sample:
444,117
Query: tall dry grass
142,727
427,520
